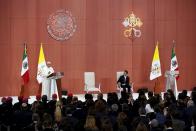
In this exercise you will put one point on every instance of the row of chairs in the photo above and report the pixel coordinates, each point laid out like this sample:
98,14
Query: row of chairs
91,86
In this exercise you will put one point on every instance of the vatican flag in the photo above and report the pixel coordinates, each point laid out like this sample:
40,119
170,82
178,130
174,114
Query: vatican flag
41,66
156,65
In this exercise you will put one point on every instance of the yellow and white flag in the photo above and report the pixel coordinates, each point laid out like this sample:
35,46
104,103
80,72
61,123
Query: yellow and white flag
156,65
41,66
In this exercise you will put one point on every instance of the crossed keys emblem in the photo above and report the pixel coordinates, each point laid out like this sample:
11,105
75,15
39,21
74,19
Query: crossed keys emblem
155,69
132,23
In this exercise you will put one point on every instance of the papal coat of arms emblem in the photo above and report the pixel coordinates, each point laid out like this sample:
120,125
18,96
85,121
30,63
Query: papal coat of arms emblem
61,25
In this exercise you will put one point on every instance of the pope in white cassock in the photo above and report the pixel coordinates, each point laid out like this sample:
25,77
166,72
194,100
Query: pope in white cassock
49,86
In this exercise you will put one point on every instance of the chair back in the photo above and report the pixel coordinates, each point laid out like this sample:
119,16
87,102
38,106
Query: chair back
89,78
118,74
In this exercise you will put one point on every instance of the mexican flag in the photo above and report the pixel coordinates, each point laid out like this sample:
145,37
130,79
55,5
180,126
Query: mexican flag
25,66
174,63
156,65
41,66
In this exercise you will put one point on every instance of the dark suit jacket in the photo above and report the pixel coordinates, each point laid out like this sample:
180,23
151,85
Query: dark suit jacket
124,82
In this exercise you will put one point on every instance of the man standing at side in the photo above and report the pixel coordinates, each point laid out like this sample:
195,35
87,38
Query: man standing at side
124,82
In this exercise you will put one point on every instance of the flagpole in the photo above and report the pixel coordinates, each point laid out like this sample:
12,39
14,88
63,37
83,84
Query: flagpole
174,43
157,84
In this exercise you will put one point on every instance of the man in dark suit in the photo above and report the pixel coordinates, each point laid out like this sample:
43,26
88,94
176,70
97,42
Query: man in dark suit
124,82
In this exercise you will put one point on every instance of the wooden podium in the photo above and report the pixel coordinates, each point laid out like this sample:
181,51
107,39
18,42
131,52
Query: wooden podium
57,76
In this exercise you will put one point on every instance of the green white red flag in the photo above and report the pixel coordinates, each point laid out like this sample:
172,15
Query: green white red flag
25,66
174,63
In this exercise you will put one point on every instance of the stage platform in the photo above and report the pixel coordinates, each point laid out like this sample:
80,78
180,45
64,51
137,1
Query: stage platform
81,97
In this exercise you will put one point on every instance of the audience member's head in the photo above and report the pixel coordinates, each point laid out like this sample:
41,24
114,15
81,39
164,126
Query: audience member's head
184,92
100,96
3,99
181,96
47,116
70,94
90,122
158,98
152,102
190,103
141,92
154,123
25,100
9,100
159,108
89,103
110,99
74,99
115,96
64,101
150,94
44,98
79,104
114,107
171,95
142,96
69,99
24,106
58,114
88,97
141,127
121,119
106,124
165,95
54,97
100,106
35,118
